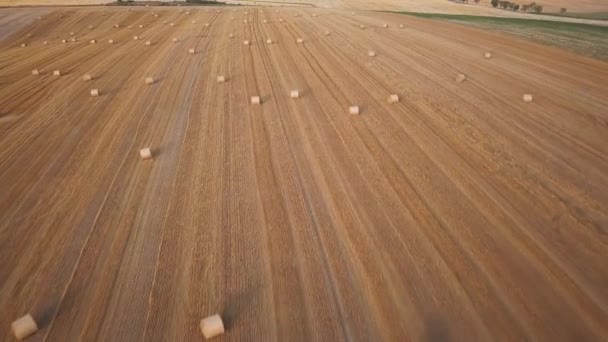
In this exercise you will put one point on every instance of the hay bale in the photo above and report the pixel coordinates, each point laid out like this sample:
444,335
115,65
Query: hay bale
26,326
187,12
265,21
246,43
245,21
141,26
460,78
207,25
148,43
165,22
71,33
93,41
145,153
149,80
327,33
255,100
230,35
74,39
87,77
191,51
295,94
35,72
353,110
110,41
371,54
212,326
172,24
280,20
45,42
268,41
300,41
231,18
487,55
29,35
221,79
57,73
362,27
527,98
393,98
91,27
135,37
64,41
94,92
193,21
175,39
116,25
401,26
218,11
276,11
23,45
385,25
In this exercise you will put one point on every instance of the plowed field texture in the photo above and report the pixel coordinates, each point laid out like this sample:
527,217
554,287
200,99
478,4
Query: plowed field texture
459,212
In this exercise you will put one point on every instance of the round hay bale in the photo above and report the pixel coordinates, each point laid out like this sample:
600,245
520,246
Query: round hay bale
193,21
64,41
93,41
246,43
141,26
135,37
175,39
94,92
71,33
145,153
385,25
327,33
57,73
23,45
212,326
265,21
26,326
231,35
268,41
207,25
192,51
74,39
255,100
110,41
353,110
362,27
401,26
300,41
393,98
35,72
116,25
148,43
460,78
528,98
371,54
91,27
172,24
487,55
45,42
280,20
221,79
245,21
149,80
87,77
295,94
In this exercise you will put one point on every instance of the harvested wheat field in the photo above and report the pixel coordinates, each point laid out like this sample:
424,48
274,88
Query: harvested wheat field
467,200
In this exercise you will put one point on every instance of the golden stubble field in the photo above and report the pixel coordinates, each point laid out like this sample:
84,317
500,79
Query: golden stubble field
460,212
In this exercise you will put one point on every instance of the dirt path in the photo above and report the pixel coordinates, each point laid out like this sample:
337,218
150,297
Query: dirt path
460,212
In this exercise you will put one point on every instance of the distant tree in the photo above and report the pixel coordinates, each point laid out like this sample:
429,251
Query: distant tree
516,7
494,3
538,8
563,10
476,1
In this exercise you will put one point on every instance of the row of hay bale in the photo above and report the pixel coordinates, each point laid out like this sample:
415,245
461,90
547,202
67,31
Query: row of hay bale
26,326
